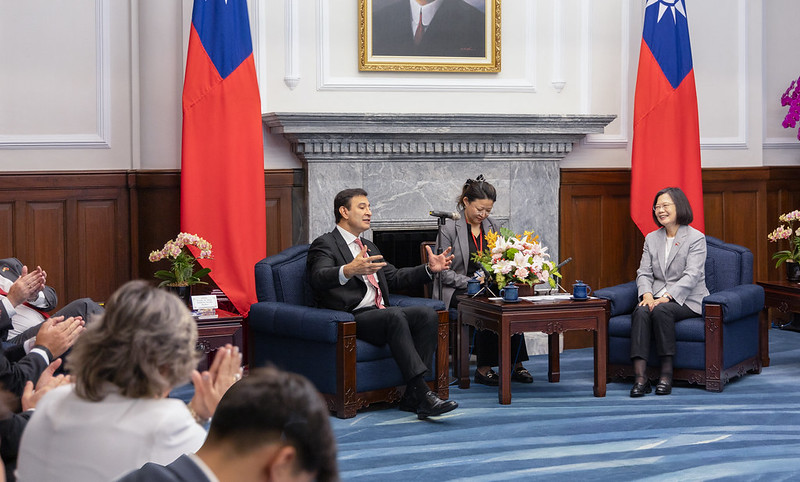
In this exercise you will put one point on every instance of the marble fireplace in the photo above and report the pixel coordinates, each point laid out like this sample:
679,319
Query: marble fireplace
411,164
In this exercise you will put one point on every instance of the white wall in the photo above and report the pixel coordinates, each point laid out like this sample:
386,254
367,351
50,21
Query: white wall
96,84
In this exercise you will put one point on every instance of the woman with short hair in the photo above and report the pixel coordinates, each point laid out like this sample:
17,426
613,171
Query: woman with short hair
117,416
671,282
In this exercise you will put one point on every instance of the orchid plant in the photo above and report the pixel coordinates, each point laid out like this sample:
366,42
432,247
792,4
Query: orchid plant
787,232
792,98
181,272
517,259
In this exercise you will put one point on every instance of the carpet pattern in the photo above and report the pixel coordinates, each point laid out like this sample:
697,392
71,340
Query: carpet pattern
559,431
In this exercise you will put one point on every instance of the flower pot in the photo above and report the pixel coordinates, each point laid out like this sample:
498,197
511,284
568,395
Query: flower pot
182,292
525,290
793,272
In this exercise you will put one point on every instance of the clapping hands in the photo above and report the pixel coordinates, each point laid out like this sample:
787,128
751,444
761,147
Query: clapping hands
211,385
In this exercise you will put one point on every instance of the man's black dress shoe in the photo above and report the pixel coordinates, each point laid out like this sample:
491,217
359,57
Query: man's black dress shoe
407,403
663,388
491,378
521,375
431,406
639,389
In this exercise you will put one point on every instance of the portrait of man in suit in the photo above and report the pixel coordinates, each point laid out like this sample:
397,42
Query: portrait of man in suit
437,28
429,35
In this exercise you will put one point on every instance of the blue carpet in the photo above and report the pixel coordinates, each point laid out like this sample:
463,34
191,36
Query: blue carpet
559,431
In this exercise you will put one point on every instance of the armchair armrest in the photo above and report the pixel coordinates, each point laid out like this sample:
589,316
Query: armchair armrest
295,321
623,298
402,300
737,302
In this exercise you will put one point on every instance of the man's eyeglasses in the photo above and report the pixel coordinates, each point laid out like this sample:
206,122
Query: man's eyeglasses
662,206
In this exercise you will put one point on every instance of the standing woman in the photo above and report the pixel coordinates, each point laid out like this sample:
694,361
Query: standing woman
468,236
671,282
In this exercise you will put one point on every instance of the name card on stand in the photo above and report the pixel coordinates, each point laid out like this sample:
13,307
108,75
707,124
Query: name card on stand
205,306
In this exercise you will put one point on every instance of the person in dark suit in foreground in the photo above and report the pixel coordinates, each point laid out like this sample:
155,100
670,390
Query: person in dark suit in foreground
348,273
437,28
272,425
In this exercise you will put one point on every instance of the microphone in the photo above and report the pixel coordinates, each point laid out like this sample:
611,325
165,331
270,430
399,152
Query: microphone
559,265
442,214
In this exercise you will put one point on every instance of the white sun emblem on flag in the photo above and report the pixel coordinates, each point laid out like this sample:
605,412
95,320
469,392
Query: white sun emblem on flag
671,5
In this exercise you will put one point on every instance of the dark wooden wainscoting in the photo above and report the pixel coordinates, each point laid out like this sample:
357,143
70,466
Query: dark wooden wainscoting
92,231
741,206
75,225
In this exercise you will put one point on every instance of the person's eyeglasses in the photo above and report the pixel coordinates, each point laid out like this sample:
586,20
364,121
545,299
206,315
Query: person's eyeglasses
662,206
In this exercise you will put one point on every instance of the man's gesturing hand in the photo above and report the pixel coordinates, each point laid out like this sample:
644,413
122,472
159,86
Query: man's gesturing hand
364,266
58,334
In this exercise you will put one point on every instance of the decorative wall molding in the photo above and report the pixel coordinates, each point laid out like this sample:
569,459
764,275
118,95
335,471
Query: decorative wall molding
558,81
292,43
326,80
95,140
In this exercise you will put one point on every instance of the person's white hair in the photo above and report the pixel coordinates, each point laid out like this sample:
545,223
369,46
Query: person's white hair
144,344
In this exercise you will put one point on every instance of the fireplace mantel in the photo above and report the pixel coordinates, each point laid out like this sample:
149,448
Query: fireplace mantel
413,163
320,137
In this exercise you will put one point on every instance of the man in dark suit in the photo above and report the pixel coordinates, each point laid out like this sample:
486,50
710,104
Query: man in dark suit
437,28
271,425
348,273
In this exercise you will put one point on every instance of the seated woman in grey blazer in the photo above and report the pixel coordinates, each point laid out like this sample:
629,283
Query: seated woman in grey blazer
671,282
466,236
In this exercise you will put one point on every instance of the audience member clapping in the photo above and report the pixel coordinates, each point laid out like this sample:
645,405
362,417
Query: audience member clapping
116,416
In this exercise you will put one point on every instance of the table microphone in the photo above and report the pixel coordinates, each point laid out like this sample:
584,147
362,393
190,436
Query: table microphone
442,214
559,265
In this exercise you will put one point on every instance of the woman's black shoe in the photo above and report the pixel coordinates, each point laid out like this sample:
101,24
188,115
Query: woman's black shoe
663,388
491,378
639,389
521,375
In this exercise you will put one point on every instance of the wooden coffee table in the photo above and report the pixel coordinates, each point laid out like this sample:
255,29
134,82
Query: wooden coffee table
551,317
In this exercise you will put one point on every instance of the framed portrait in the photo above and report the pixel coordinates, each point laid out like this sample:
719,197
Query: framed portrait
429,35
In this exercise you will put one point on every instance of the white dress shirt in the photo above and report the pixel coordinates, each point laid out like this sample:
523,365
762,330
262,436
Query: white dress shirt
369,297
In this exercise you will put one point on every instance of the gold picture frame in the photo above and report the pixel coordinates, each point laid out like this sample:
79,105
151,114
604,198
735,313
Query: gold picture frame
386,41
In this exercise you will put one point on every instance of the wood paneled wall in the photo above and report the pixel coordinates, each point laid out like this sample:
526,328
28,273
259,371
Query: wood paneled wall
75,225
92,231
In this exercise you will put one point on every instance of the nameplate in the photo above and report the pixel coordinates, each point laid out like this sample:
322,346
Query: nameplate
204,303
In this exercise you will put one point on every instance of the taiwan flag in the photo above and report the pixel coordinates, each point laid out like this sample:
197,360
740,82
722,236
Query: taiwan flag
666,137
222,159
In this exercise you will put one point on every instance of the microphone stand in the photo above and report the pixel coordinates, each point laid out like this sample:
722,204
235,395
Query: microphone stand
438,277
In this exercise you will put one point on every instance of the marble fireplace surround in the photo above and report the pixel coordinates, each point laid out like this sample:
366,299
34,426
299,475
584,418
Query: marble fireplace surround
414,163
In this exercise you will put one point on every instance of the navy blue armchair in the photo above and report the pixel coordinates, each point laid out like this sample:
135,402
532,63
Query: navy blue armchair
286,330
729,340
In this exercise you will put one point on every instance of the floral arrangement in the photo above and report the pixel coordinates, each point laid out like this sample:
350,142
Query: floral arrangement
516,259
792,98
182,272
787,232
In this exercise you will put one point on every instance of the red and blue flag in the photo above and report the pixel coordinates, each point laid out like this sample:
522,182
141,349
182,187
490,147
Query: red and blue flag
222,158
666,132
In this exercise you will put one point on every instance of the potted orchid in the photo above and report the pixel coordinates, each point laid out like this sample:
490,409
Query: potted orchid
181,273
517,259
790,256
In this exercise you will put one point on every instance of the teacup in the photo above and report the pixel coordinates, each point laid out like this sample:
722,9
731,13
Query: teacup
473,286
580,290
510,293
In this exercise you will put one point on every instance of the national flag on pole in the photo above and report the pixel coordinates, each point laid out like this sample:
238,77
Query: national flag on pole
222,160
666,133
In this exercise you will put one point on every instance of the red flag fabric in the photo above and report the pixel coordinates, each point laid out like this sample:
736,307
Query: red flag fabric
666,132
222,159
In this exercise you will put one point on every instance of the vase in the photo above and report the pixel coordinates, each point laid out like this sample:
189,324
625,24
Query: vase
526,290
793,272
182,292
